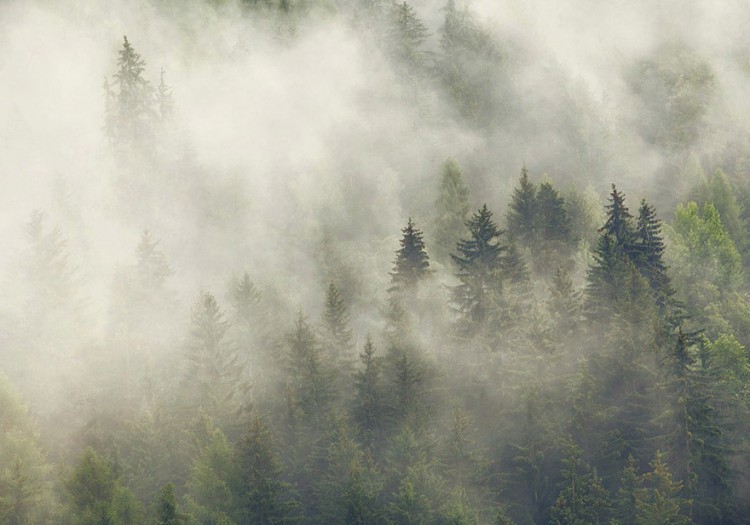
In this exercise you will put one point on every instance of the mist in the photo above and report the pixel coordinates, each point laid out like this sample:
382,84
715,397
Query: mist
257,208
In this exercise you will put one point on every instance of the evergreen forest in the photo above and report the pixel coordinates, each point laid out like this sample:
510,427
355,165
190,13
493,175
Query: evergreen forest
374,262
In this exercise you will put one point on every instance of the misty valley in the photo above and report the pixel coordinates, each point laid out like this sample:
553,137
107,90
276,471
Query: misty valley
374,262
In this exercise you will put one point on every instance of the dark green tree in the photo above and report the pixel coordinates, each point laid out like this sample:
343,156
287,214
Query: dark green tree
369,410
412,262
479,262
167,511
96,496
582,500
262,496
522,210
308,372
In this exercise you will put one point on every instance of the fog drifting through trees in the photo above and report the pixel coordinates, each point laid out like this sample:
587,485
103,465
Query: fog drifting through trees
374,262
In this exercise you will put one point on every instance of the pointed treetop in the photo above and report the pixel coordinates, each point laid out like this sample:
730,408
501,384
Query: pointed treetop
412,262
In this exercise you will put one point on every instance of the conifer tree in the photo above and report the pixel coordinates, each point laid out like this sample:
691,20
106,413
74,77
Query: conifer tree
619,224
648,252
215,377
262,496
308,372
369,407
412,262
167,512
96,496
479,263
451,209
583,500
134,99
522,210
406,34
336,323
660,500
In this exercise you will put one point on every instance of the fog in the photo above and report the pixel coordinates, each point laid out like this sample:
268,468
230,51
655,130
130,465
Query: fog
300,143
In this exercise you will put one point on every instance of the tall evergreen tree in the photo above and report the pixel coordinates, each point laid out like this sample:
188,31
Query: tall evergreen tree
308,372
336,323
167,512
369,406
522,210
135,112
215,379
619,224
412,262
479,262
451,210
262,496
406,34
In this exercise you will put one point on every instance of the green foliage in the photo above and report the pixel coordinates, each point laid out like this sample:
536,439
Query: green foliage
369,409
522,210
412,262
24,492
261,496
210,497
336,324
582,499
479,262
451,210
96,496
703,252
406,35
167,512
660,500
215,379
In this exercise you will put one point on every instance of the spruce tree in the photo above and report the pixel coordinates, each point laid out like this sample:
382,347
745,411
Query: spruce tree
308,372
648,252
522,211
406,34
619,224
451,211
135,99
412,262
215,379
167,512
262,496
479,262
369,406
336,323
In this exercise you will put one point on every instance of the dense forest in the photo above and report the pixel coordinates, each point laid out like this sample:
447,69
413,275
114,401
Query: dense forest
374,262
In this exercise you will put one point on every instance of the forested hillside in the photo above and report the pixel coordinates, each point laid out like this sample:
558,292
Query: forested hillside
374,262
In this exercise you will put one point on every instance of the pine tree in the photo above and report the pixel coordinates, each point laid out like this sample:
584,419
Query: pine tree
626,502
262,496
308,372
522,210
648,253
153,269
215,378
336,323
406,34
619,223
479,263
167,512
583,500
412,262
135,99
660,500
369,407
96,496
451,209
